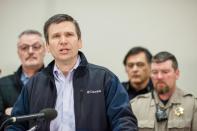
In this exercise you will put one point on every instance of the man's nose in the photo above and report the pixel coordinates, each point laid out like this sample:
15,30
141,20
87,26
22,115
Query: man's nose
63,40
30,49
159,75
135,67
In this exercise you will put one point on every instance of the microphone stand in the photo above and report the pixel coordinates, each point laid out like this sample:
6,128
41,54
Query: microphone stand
3,124
8,122
33,128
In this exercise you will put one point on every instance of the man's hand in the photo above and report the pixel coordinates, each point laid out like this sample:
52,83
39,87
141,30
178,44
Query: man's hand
8,111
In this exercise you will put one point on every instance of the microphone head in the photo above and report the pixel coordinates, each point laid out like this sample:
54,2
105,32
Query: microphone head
49,113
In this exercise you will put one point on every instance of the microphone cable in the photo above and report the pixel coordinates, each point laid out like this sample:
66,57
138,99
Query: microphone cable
3,124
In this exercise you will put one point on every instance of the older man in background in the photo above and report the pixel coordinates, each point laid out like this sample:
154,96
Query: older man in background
31,51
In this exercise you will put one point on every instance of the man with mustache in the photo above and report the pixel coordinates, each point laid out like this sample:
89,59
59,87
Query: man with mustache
31,51
137,66
167,107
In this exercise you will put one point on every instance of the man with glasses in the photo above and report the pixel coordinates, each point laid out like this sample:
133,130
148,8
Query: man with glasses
31,51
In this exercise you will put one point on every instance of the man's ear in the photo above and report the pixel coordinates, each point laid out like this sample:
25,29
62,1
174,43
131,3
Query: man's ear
177,73
47,47
80,44
126,69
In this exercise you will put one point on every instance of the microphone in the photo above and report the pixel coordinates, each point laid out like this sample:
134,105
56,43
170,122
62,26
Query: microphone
48,114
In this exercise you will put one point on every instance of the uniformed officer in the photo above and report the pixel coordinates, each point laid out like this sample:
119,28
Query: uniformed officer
167,108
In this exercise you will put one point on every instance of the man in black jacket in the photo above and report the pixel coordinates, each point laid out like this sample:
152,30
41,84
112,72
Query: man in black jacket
87,97
31,51
137,66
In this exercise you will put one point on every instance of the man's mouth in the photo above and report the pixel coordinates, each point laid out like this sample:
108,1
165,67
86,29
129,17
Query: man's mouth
64,50
31,58
135,76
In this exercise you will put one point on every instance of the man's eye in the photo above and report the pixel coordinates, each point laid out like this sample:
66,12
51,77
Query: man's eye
56,36
24,47
36,47
154,72
165,71
69,34
130,65
140,64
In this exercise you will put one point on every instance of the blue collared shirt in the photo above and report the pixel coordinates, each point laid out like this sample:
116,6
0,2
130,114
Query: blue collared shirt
65,121
24,78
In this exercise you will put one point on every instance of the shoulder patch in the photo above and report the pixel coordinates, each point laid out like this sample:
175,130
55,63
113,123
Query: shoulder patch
186,94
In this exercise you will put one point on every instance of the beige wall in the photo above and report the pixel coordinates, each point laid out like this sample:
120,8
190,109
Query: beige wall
109,29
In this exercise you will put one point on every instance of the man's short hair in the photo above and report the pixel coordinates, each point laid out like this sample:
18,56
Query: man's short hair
58,18
164,56
137,50
30,32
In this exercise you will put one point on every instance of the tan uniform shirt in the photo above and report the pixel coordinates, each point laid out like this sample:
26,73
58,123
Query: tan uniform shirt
181,110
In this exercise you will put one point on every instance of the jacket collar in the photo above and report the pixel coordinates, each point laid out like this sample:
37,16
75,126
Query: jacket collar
17,76
18,82
174,99
148,87
81,68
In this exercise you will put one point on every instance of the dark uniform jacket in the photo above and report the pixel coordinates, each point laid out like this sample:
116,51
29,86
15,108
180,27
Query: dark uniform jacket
100,101
133,93
10,88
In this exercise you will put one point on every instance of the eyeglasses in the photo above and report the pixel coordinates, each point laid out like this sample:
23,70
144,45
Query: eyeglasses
25,47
